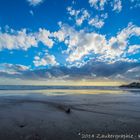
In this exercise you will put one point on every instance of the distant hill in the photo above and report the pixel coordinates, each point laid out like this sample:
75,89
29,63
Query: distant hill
132,85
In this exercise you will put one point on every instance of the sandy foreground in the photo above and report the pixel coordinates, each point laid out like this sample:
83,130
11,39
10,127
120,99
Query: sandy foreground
36,116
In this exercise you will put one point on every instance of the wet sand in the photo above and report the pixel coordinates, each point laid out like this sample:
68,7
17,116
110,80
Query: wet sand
42,117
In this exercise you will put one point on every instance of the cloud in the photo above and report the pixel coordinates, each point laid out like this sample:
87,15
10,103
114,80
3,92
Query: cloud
60,35
79,15
119,43
134,49
7,68
93,70
20,40
86,44
31,12
35,2
46,60
133,73
44,37
72,11
23,40
81,44
98,4
117,5
97,21
135,4
83,15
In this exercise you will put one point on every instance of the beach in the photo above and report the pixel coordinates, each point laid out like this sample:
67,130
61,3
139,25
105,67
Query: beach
94,114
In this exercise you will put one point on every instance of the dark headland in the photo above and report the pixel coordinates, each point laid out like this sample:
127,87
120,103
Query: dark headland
132,85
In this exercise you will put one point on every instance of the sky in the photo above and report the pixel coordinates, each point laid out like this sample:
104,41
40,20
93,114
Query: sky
53,42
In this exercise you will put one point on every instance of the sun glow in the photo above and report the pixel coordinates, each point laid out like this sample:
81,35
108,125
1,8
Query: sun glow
62,82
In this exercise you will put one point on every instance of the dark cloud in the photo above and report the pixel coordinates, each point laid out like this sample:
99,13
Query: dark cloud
91,70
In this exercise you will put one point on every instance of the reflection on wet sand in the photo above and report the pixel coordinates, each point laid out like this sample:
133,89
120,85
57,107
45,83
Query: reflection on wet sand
63,114
53,92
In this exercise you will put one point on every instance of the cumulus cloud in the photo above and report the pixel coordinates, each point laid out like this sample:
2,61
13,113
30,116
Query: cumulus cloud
72,11
81,44
20,40
119,43
136,4
35,2
117,5
97,21
98,4
60,35
134,49
84,16
79,15
46,60
44,36
23,41
86,44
